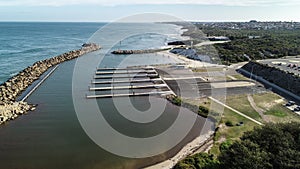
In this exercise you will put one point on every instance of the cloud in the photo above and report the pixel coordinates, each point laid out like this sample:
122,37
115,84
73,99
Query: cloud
154,2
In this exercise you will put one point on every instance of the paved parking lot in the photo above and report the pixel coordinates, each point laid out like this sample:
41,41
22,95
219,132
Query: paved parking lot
291,64
202,84
292,109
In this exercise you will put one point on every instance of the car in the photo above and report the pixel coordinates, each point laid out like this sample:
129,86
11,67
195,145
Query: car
297,108
290,103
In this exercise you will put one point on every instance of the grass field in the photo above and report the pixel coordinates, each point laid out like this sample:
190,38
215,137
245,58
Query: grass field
270,102
265,100
241,103
278,111
274,109
230,133
240,77
209,69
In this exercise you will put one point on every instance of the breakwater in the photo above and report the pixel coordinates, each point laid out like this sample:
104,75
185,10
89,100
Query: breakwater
130,52
10,90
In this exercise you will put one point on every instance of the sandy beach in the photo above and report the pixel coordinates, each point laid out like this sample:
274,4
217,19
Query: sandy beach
187,150
189,62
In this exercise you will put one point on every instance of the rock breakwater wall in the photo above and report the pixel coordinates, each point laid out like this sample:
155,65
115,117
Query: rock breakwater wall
10,90
130,52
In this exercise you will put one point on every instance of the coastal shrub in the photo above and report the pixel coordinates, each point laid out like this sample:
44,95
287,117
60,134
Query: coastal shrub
203,111
225,145
271,44
198,161
229,123
273,146
177,101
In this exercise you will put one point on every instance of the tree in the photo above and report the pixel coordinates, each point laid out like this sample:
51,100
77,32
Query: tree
281,141
244,155
273,146
198,161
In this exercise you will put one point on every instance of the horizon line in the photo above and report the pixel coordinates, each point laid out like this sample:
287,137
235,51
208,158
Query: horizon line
91,21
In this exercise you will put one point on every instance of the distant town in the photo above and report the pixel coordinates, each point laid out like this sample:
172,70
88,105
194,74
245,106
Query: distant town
251,25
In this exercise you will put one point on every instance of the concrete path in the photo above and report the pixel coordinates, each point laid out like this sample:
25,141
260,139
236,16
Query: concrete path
238,112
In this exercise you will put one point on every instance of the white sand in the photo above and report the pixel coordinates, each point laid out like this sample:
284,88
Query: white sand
210,43
189,62
184,152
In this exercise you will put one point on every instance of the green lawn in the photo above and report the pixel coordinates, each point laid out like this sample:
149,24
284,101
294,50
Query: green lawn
270,102
240,77
213,69
273,104
231,133
278,111
263,100
241,103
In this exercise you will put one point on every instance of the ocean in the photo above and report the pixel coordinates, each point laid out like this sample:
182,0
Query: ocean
51,136
22,44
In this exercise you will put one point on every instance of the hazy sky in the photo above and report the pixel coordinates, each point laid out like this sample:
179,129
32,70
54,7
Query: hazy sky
110,10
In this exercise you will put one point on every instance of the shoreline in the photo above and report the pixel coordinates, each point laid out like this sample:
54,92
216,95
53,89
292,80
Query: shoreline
187,150
200,143
189,62
10,106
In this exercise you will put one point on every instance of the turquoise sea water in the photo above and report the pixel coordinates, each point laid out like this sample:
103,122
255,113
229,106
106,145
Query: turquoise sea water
51,136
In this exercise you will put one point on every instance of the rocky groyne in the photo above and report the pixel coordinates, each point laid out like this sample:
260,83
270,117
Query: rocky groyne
284,79
130,52
10,108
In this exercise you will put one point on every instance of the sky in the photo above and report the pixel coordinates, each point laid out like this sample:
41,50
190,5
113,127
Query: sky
111,10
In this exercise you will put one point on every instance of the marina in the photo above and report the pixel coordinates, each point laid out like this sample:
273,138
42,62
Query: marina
158,86
124,72
129,68
129,95
52,136
127,87
128,76
127,81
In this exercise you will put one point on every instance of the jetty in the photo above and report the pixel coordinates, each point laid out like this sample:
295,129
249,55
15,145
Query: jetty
128,87
123,72
128,81
142,51
126,76
136,82
130,95
10,106
129,69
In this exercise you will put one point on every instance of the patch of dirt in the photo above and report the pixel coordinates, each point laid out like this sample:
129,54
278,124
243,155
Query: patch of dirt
260,111
268,106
